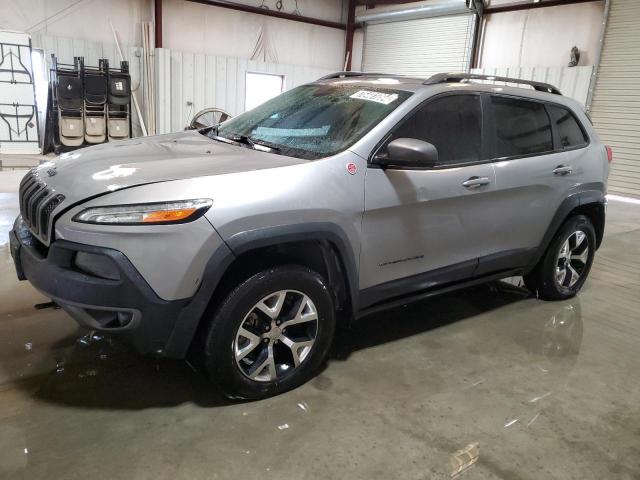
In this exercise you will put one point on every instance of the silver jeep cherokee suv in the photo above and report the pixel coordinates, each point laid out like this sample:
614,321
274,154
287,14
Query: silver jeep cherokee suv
243,243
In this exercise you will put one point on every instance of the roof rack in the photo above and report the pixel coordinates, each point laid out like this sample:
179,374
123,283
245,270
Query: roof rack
350,74
459,77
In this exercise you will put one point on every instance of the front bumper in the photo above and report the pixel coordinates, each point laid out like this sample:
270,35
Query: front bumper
126,306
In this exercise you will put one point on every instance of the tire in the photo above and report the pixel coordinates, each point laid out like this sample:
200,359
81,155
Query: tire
246,360
554,277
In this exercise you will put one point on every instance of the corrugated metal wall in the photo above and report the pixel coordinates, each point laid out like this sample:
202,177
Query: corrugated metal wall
615,109
572,81
419,47
188,82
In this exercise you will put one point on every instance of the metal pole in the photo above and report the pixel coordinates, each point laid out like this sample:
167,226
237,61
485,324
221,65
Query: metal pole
133,95
158,22
348,47
596,63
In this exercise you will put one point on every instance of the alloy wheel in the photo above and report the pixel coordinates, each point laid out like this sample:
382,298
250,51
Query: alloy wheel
572,259
276,336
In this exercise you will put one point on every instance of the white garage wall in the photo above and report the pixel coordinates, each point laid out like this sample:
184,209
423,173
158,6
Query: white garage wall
183,78
541,37
188,26
192,27
211,81
79,19
221,42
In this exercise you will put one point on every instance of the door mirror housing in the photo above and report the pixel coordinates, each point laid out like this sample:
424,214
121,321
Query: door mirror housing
409,152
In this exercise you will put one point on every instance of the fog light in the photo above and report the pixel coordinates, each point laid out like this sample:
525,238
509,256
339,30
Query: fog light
107,319
124,319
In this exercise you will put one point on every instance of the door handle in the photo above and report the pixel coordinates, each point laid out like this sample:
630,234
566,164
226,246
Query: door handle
562,170
476,182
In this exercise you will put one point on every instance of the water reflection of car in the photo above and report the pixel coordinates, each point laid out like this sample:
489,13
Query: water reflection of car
552,344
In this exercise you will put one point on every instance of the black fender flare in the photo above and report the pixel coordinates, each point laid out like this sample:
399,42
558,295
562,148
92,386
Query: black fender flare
190,316
322,231
589,194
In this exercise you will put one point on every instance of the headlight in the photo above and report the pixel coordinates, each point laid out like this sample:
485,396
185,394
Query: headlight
146,213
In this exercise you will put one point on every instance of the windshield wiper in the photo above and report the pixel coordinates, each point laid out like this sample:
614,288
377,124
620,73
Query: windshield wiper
242,139
269,145
247,140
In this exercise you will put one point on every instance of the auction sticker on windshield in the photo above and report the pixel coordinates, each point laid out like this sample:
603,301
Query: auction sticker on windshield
378,97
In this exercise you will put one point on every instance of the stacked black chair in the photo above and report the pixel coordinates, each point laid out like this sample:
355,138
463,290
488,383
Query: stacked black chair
87,105
68,95
95,103
119,102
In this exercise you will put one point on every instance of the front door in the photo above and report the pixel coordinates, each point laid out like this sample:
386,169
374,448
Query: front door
423,227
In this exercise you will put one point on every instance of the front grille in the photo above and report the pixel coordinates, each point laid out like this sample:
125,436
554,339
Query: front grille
37,203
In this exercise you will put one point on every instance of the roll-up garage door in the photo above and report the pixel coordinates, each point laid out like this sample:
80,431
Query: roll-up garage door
419,47
615,108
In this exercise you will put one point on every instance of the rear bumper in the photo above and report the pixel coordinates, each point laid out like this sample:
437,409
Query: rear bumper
126,306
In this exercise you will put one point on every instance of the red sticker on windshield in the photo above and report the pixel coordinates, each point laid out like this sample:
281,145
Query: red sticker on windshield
351,168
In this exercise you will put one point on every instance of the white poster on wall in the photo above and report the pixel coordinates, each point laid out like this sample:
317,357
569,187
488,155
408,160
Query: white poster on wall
18,111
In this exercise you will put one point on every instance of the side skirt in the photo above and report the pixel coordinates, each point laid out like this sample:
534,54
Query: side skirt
398,301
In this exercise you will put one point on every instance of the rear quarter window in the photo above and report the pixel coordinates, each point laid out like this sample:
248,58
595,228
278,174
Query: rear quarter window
570,134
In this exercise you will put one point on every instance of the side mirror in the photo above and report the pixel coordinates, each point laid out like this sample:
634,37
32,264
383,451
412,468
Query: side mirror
409,152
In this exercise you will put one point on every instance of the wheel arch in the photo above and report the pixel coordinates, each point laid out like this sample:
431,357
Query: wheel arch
589,202
323,247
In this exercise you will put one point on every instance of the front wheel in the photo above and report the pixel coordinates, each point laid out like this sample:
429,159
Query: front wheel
563,269
271,334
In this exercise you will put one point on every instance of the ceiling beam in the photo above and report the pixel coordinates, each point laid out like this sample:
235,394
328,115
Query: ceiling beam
270,13
528,5
375,3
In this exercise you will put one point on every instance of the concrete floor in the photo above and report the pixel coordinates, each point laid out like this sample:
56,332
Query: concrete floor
527,389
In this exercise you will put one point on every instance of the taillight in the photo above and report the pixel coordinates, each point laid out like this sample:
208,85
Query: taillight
609,153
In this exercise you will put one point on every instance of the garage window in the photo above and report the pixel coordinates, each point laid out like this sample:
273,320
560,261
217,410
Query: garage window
569,131
522,127
261,87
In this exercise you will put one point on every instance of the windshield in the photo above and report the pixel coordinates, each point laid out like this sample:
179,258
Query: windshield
314,121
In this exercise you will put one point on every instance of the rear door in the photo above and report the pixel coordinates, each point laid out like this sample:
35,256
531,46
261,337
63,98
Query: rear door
426,226
533,176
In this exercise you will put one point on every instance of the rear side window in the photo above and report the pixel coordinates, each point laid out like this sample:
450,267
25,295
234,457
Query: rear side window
569,131
522,127
453,124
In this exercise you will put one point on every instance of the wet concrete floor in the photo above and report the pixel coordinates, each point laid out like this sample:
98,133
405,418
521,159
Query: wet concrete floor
485,383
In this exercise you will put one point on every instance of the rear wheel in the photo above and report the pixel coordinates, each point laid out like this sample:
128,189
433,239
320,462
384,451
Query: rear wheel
564,268
271,334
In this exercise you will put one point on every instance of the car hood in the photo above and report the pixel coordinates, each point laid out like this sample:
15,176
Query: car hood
113,166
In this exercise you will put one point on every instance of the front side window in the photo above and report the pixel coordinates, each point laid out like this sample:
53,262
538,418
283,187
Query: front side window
315,121
569,131
453,124
522,127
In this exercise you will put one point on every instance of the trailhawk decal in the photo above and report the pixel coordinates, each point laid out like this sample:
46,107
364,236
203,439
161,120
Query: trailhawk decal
401,260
